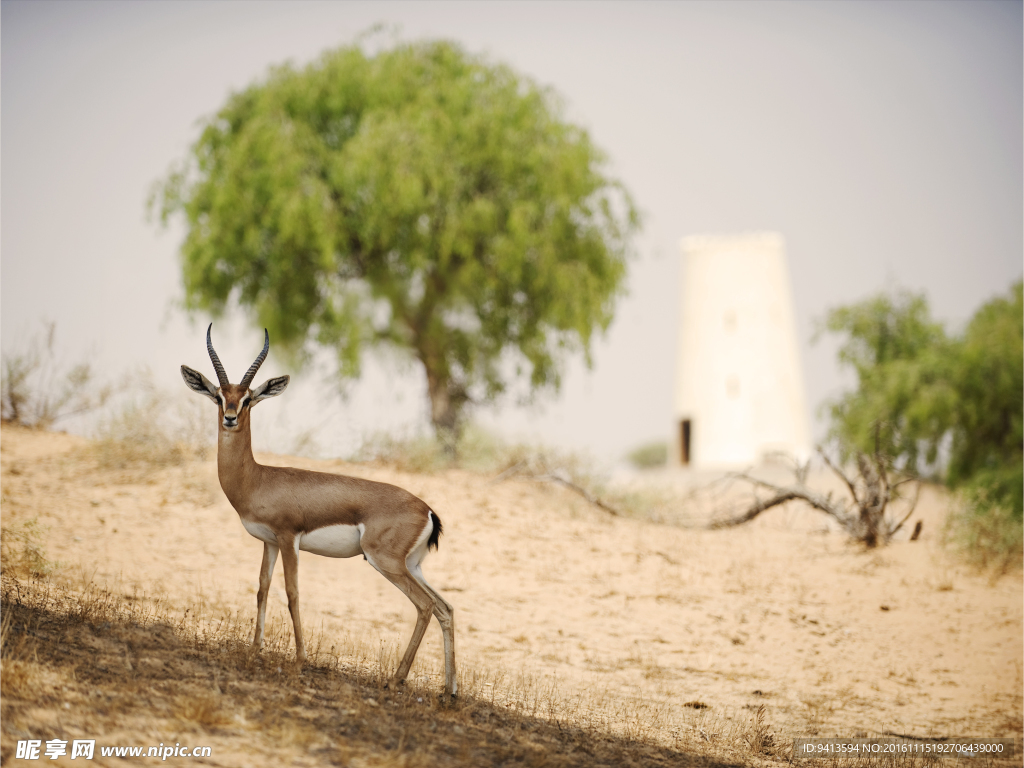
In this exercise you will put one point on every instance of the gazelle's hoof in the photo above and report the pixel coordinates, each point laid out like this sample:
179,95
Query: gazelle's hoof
394,684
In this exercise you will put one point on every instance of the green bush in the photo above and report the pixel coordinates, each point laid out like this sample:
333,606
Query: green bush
988,534
949,406
649,455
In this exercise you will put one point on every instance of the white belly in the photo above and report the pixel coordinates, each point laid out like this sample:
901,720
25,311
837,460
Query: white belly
260,531
333,541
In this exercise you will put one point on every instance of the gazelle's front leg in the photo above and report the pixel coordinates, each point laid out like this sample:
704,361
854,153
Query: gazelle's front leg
290,561
266,574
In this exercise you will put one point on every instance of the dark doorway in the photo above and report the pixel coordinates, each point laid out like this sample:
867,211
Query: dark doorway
684,442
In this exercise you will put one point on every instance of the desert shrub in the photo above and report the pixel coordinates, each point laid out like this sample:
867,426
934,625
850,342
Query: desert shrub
581,474
151,428
944,405
37,388
415,453
649,455
481,451
21,549
986,532
478,450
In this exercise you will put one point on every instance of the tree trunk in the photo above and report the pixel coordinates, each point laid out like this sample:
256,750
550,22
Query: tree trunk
447,400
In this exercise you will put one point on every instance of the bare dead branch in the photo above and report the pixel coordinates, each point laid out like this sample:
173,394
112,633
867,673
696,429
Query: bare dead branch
591,498
755,510
913,506
514,469
880,465
521,468
801,492
865,518
839,472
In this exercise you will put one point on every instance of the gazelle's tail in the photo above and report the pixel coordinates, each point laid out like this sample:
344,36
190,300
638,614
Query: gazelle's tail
435,534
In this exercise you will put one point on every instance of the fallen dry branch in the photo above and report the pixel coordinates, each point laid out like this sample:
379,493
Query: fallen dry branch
522,469
591,498
864,516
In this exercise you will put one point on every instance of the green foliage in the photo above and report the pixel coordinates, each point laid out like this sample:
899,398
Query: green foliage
650,455
920,391
904,397
420,197
988,533
989,381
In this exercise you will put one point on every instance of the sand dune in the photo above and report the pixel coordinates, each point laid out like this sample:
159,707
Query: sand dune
830,638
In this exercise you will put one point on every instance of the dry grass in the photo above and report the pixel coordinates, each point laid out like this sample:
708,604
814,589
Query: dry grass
207,710
132,667
38,387
986,535
130,438
21,550
193,672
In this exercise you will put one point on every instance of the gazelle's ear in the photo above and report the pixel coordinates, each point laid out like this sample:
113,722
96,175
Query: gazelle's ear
195,381
270,388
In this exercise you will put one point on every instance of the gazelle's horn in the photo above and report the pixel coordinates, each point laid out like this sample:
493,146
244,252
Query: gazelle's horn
247,379
222,376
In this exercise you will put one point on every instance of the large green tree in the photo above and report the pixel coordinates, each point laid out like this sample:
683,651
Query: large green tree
951,405
420,197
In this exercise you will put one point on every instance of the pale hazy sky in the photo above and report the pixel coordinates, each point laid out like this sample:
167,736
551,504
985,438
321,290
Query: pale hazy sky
883,140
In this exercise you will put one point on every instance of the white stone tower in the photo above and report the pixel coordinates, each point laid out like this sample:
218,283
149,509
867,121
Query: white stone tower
739,388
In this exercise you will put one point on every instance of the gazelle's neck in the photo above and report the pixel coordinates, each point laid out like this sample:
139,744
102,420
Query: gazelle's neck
236,467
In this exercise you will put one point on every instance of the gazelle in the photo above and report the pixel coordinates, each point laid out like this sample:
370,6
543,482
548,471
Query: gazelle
292,509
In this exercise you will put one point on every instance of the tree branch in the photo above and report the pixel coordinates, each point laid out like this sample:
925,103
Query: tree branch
842,475
913,506
552,478
578,489
816,500
757,509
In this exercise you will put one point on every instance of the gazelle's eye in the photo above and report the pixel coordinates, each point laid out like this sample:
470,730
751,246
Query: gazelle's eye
243,403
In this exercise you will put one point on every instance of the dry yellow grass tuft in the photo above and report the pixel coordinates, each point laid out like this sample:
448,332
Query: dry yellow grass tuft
203,709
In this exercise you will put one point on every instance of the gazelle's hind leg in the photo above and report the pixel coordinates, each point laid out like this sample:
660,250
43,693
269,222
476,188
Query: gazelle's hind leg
266,574
446,618
395,571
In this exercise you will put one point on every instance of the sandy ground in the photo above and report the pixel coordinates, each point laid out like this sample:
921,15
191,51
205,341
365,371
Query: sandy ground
831,639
